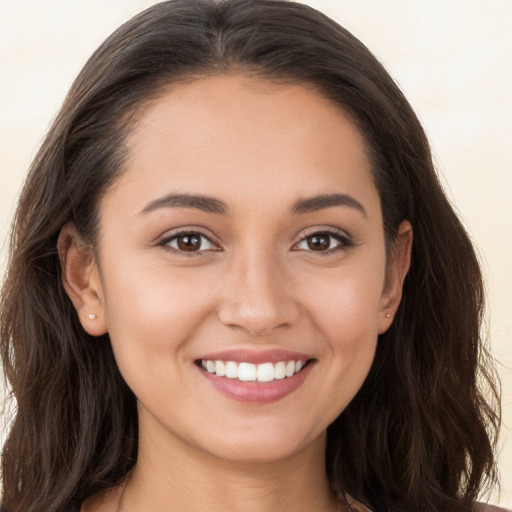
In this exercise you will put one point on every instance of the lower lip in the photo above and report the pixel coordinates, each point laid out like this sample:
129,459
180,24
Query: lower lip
257,392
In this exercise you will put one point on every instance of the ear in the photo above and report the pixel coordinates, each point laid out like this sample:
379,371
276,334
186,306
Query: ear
81,280
398,266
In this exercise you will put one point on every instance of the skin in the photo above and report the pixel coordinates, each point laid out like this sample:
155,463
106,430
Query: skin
258,147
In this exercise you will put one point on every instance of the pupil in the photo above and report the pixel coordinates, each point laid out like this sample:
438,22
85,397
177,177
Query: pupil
319,242
189,242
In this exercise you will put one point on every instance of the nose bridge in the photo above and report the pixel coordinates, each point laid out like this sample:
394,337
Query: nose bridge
257,296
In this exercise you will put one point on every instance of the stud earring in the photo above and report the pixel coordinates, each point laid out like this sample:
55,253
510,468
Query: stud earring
91,316
388,315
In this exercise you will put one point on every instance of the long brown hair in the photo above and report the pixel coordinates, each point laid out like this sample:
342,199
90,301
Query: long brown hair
419,435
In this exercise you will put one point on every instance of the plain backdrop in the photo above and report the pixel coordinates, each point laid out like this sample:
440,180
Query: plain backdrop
452,59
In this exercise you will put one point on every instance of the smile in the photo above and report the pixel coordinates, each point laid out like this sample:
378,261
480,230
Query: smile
249,372
255,377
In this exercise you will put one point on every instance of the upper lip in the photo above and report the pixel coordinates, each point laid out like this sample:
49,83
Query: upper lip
256,356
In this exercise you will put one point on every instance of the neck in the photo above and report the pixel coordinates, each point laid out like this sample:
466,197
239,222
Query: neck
178,475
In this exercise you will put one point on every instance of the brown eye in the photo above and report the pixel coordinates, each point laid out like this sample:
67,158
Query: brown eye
189,242
324,242
319,242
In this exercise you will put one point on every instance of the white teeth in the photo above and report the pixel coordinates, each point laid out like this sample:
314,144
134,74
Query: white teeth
231,370
248,372
280,370
265,372
220,368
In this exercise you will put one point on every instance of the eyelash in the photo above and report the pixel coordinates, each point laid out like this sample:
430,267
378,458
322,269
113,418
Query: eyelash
165,243
344,242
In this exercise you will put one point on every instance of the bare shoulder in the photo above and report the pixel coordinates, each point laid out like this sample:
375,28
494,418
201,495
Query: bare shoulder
485,507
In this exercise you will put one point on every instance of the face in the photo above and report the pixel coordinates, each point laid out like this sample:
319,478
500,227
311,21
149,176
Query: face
241,268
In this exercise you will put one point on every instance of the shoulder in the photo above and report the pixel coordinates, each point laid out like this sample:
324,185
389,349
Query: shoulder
479,507
484,507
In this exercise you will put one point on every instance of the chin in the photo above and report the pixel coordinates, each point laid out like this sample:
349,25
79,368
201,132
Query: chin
263,445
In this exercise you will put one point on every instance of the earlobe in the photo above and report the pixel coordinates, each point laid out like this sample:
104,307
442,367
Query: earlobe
398,266
81,280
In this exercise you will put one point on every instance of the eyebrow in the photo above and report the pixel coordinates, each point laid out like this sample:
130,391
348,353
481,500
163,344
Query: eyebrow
212,205
199,202
315,203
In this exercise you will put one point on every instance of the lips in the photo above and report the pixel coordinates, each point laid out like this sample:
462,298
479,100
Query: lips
255,377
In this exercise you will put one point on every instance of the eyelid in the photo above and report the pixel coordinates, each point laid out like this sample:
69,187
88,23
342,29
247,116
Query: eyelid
164,240
345,240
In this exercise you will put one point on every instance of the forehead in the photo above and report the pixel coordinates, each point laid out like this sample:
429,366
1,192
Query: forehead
217,134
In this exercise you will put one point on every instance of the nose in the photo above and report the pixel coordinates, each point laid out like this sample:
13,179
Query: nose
257,296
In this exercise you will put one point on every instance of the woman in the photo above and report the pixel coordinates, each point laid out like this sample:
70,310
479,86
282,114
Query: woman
236,284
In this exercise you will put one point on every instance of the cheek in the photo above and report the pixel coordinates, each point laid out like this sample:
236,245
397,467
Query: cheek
344,310
345,304
152,309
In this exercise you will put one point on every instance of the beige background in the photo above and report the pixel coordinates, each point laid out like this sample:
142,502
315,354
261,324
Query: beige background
452,58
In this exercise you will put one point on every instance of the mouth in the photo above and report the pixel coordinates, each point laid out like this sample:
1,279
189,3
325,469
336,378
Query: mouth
250,372
255,377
